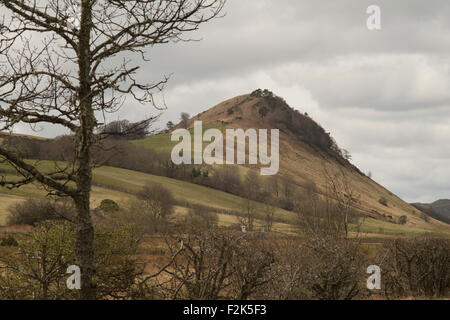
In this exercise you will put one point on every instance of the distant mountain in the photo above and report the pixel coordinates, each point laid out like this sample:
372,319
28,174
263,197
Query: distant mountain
439,209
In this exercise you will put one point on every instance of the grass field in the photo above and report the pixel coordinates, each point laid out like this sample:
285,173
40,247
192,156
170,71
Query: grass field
162,143
10,197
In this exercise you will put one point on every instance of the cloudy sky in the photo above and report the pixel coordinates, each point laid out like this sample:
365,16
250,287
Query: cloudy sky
384,95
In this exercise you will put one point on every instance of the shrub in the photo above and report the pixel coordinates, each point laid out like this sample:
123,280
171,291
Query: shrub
383,201
148,214
109,205
158,195
33,211
9,241
263,111
402,219
317,268
201,218
332,271
24,276
196,172
286,204
415,267
228,179
218,265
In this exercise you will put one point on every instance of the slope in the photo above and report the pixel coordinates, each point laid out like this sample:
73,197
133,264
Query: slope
306,150
120,184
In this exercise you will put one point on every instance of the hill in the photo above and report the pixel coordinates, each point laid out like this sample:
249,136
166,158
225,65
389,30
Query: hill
306,149
439,209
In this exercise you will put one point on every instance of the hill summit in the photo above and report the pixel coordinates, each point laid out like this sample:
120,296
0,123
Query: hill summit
263,109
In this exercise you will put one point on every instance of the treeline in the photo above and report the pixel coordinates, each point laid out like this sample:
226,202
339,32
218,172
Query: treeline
120,153
61,148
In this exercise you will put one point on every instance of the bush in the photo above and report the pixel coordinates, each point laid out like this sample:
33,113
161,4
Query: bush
218,265
286,204
200,218
333,270
415,267
402,219
33,211
148,214
425,217
109,205
158,195
228,179
263,111
9,241
383,201
24,276
317,268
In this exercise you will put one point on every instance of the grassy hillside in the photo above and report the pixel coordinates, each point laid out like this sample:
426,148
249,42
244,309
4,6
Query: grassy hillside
302,158
162,143
120,184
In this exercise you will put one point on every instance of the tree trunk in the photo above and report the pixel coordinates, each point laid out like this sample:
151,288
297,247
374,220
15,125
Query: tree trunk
84,245
84,249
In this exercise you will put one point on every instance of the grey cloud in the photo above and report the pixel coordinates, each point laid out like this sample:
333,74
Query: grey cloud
269,33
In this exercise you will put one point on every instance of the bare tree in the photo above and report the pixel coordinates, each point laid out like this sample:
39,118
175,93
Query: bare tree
269,214
123,129
248,210
333,215
341,199
227,178
415,267
287,186
60,65
203,269
272,185
157,193
333,260
252,185
251,193
217,265
251,266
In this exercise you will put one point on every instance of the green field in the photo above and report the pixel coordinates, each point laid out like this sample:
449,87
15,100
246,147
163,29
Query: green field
162,143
